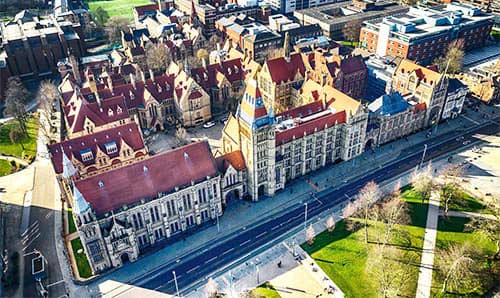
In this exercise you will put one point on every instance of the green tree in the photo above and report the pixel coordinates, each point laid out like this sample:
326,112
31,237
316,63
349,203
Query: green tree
16,136
101,16
16,97
158,57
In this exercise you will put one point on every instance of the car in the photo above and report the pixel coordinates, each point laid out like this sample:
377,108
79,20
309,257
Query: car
224,119
466,142
209,124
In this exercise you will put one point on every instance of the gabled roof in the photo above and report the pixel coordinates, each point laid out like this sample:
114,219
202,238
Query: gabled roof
207,77
128,133
235,159
282,71
302,111
424,74
252,109
140,10
145,179
388,104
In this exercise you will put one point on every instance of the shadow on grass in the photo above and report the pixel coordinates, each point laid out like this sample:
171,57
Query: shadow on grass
325,238
453,224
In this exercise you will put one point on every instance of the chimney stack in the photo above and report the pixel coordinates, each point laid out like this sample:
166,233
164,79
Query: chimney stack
151,75
132,80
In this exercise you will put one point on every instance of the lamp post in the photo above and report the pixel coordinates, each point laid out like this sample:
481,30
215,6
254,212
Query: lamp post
423,155
176,285
305,217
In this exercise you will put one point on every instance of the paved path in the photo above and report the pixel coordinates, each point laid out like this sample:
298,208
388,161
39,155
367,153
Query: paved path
427,262
467,214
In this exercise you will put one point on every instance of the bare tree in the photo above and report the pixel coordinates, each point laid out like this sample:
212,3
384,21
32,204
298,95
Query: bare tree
202,54
16,97
451,187
351,30
422,181
457,267
211,288
451,62
114,27
158,57
16,136
181,135
350,209
368,195
330,223
393,212
489,227
390,268
310,234
213,41
47,96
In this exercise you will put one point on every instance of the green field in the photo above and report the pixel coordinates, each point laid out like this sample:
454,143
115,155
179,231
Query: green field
117,7
81,259
342,254
468,203
29,142
5,167
263,291
452,231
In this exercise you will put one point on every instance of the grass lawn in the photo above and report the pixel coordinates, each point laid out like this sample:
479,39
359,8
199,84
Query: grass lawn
29,142
469,204
117,7
263,291
71,221
350,43
451,231
81,259
5,167
343,256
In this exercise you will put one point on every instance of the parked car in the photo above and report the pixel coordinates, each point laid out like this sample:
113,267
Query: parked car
209,124
224,119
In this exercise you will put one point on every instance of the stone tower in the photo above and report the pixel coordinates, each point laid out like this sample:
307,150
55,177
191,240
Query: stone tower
257,141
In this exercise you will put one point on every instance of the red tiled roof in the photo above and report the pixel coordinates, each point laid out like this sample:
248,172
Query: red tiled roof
302,111
98,114
352,64
145,179
286,136
235,159
195,94
281,70
231,69
140,10
129,133
419,107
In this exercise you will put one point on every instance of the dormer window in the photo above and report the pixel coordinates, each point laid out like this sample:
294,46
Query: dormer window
132,96
110,112
119,110
100,183
159,89
205,76
229,71
86,155
111,147
236,69
167,87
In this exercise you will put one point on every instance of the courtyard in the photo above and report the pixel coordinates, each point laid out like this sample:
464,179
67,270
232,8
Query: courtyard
121,8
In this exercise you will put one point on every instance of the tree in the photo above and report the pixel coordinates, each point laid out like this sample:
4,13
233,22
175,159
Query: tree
451,188
16,96
202,55
330,223
181,135
458,267
211,288
310,234
453,59
158,57
16,136
350,209
47,96
390,268
114,27
422,181
393,212
100,16
368,195
351,30
489,227
213,41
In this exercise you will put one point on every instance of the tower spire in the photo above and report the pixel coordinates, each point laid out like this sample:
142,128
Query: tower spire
69,170
80,205
286,47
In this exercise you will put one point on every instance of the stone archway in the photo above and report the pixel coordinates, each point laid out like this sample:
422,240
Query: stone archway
124,258
158,127
369,145
433,116
261,190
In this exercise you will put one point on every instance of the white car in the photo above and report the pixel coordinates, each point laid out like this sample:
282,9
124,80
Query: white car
209,124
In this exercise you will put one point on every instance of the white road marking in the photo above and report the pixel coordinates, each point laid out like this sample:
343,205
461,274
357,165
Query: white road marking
242,244
471,120
274,228
260,235
210,260
36,223
193,269
227,251
31,241
55,283
48,215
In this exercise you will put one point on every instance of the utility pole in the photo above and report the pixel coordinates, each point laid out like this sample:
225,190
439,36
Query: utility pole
176,286
423,155
257,268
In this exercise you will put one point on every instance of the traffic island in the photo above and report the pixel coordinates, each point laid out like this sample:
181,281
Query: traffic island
79,261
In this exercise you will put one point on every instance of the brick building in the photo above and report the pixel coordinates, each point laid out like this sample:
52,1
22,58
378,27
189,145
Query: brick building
423,34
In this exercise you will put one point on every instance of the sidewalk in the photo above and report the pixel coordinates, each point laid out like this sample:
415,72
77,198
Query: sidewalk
466,214
237,217
427,262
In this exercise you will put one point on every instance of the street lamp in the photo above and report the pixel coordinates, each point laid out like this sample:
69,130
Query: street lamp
423,155
257,268
176,285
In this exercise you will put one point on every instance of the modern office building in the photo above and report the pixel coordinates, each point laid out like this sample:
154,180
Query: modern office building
423,34
332,18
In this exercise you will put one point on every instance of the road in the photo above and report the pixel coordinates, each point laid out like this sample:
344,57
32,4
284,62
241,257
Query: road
190,271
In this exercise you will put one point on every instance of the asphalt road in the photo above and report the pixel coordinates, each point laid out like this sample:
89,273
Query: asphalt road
248,239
